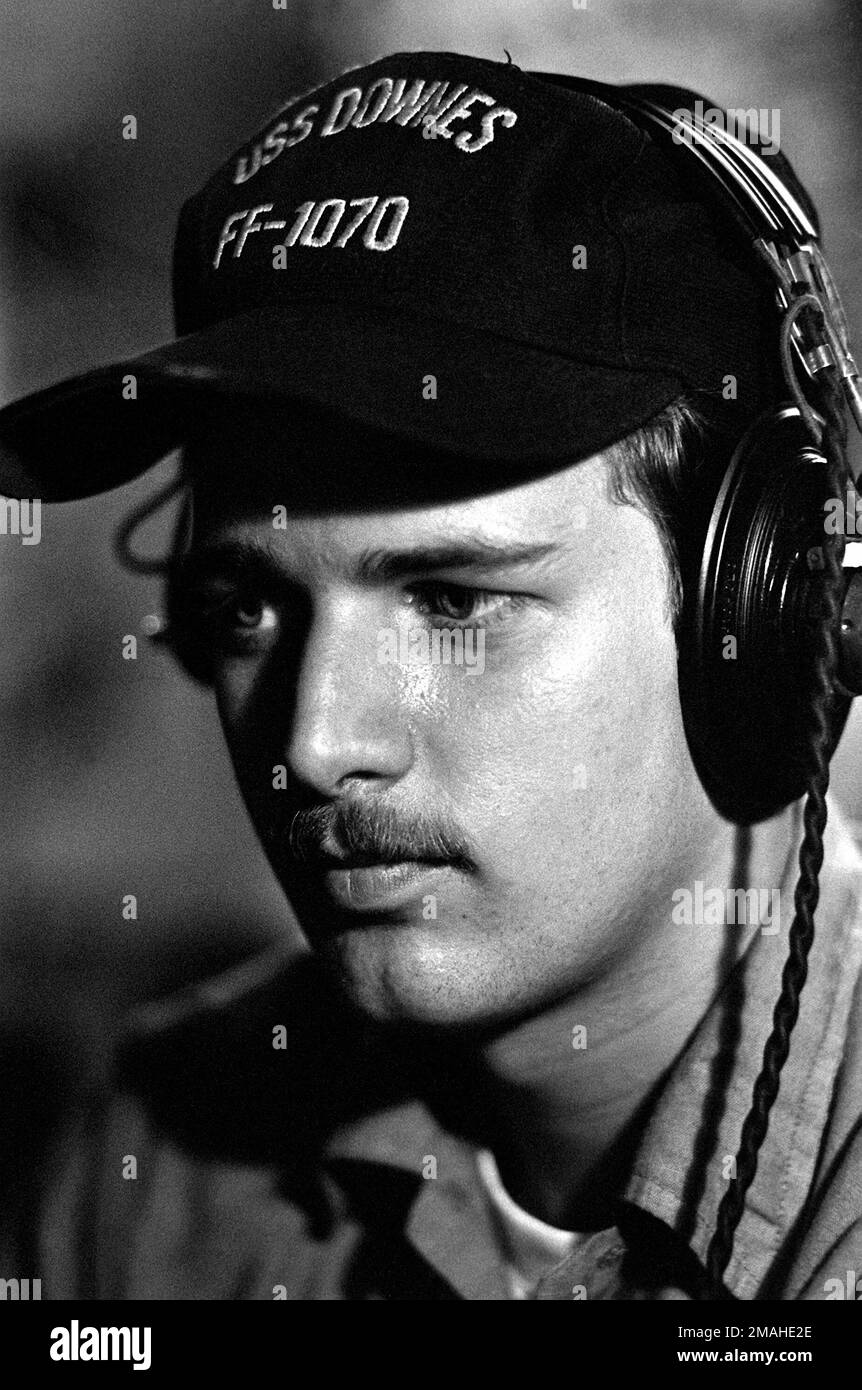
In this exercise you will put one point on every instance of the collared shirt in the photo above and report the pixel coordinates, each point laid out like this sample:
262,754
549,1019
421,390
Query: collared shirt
225,1165
529,1247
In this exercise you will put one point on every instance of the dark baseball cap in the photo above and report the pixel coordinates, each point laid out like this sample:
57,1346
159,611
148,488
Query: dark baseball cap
443,248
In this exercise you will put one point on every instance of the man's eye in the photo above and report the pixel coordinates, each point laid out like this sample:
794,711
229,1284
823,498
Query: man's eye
237,618
252,613
460,605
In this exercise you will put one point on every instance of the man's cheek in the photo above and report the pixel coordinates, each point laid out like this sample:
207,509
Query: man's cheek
527,799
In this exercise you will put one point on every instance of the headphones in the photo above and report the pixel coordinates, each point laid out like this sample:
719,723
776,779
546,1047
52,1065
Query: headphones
770,650
752,589
770,642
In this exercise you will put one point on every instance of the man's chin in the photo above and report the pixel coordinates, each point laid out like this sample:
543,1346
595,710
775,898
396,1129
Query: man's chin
407,978
391,979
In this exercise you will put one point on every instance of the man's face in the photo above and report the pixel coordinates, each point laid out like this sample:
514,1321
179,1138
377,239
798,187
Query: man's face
463,844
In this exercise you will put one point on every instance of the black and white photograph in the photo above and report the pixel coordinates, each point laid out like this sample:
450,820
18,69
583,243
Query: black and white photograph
430,628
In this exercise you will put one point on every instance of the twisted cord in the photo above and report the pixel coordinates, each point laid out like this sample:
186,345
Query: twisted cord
807,893
123,536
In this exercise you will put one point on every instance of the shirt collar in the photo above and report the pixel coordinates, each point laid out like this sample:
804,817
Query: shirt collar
449,1222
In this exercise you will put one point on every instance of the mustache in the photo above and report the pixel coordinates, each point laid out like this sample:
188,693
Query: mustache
374,834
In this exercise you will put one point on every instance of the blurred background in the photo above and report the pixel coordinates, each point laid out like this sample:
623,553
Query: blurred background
114,778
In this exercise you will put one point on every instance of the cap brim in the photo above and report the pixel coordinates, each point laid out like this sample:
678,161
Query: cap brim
463,391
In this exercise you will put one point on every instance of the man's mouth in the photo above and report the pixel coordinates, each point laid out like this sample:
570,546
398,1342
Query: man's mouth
358,860
361,883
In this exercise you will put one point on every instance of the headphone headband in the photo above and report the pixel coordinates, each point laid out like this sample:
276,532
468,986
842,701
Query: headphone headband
763,202
814,334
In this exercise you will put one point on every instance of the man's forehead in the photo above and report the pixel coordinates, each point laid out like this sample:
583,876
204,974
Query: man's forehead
548,512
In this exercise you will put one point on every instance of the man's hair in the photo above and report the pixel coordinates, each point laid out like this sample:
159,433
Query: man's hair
669,469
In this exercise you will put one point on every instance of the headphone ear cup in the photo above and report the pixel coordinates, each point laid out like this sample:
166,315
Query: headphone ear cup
750,617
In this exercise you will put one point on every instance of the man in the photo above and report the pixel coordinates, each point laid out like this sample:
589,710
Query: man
462,354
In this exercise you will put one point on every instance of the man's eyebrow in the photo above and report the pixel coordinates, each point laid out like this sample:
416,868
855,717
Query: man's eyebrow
229,555
374,566
469,553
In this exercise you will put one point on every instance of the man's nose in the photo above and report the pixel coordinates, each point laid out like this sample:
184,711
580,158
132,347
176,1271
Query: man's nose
348,721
